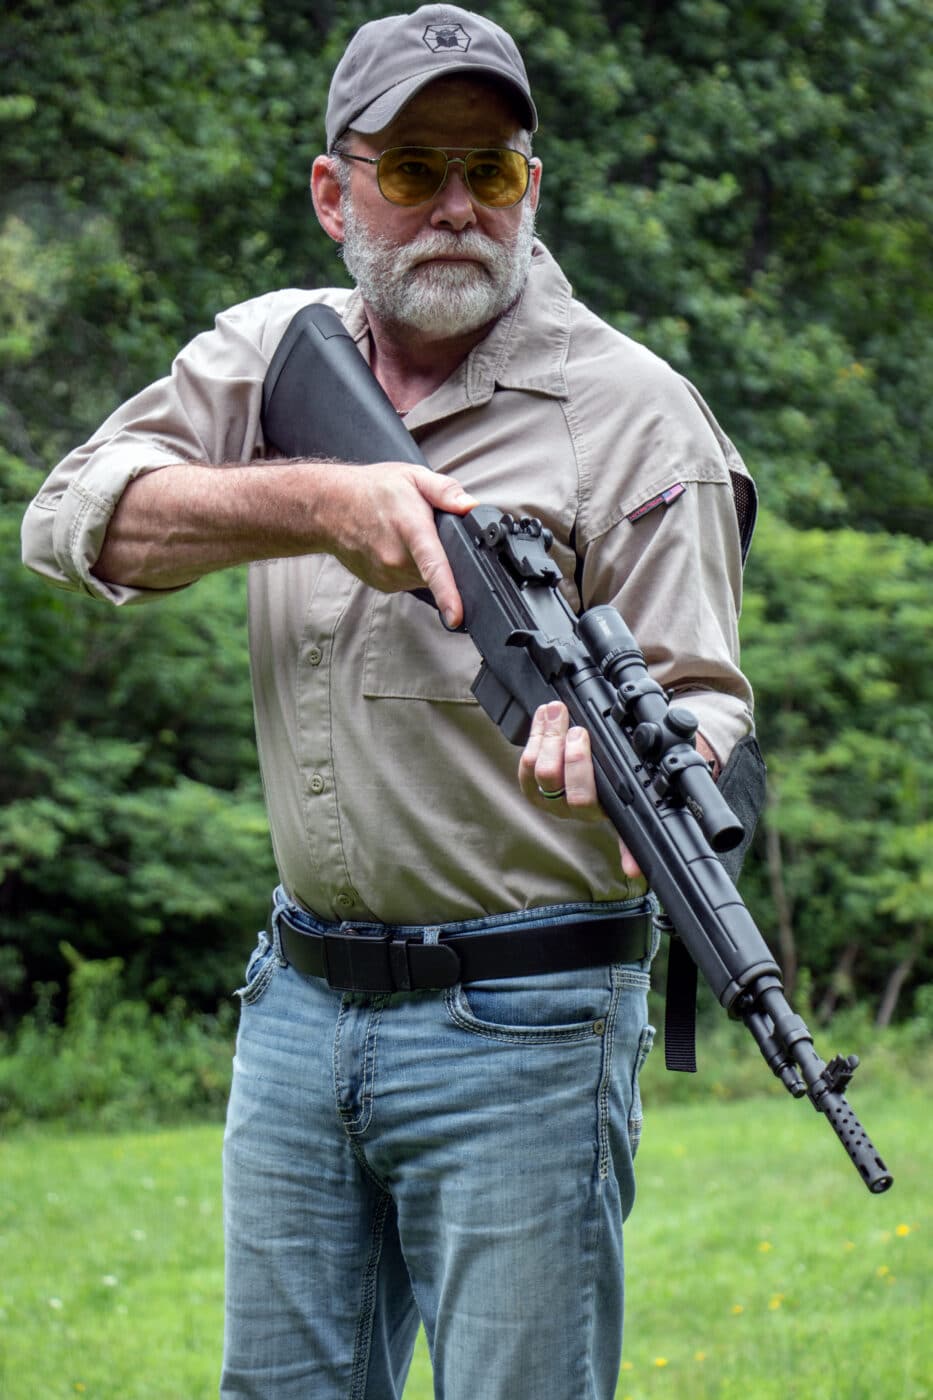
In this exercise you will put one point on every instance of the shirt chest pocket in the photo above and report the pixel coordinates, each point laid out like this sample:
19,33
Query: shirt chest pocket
410,655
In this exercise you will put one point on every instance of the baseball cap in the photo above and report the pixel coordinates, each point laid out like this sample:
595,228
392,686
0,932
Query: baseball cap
389,60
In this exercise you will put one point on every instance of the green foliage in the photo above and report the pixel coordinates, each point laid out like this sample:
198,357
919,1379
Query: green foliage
747,188
131,819
114,1061
838,635
156,157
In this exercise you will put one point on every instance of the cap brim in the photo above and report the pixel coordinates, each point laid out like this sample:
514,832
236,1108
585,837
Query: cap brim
387,107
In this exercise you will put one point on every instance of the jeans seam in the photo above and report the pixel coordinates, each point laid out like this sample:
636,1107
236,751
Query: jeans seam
369,1068
604,1094
589,1309
355,1126
364,1328
359,1122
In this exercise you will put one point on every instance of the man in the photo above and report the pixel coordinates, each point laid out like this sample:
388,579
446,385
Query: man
437,1125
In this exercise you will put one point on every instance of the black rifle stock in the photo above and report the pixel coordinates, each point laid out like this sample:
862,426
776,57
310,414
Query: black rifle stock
321,401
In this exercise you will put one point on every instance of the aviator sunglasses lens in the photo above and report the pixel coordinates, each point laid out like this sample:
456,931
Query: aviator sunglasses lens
499,177
413,174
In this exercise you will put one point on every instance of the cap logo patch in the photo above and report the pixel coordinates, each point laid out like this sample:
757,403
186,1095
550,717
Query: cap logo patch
441,38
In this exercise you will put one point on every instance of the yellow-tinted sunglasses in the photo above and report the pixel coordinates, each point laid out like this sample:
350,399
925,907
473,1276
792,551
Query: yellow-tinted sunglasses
496,177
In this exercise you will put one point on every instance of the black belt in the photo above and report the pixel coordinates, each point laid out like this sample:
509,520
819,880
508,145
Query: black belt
362,961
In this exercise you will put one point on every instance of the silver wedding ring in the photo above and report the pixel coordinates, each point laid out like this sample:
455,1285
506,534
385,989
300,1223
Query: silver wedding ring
552,796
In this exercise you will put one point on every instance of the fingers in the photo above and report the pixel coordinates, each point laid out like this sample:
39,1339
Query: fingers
441,493
556,760
541,766
579,777
630,867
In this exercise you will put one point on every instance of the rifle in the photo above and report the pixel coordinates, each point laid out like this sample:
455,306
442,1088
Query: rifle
655,787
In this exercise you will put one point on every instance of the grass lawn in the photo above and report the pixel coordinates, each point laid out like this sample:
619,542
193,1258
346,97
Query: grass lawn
759,1267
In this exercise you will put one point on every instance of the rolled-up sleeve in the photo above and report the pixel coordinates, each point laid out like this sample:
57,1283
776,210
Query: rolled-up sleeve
206,410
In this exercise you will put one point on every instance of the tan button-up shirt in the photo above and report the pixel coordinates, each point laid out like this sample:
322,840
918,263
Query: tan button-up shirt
391,795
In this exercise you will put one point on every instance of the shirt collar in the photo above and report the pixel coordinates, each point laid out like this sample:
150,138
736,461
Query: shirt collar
525,350
527,347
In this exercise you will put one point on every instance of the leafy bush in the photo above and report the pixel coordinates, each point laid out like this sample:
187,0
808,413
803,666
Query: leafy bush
730,1067
114,1061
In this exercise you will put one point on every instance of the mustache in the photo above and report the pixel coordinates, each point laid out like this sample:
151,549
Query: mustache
470,244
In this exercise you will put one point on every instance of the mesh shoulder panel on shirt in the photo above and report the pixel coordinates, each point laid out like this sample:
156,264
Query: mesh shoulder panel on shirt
745,497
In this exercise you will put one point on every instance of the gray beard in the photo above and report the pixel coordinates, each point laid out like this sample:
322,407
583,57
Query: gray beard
437,299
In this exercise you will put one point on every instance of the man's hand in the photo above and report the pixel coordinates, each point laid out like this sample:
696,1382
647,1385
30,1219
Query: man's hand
557,760
380,523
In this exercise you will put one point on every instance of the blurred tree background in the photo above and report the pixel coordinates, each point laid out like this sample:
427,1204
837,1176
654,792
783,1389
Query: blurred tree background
744,187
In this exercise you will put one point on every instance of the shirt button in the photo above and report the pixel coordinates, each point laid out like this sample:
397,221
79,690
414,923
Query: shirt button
317,783
344,901
315,655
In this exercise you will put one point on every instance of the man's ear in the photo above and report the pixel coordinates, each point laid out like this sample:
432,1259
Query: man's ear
326,194
534,193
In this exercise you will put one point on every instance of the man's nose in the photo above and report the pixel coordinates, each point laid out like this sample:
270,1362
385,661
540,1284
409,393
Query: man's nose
453,203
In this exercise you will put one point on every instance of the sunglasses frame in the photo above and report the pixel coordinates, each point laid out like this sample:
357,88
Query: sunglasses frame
451,160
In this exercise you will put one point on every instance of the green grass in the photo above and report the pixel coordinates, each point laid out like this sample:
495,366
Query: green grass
760,1268
758,1265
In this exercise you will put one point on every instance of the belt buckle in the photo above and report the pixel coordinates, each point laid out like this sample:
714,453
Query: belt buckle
358,962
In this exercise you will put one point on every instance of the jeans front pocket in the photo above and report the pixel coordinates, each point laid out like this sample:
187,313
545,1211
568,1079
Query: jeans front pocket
551,1008
260,970
636,1114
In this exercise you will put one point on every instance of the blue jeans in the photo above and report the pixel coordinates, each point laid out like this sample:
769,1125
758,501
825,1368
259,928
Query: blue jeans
461,1158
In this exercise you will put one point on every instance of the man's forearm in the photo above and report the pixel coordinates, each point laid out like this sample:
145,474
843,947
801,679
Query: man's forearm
173,525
